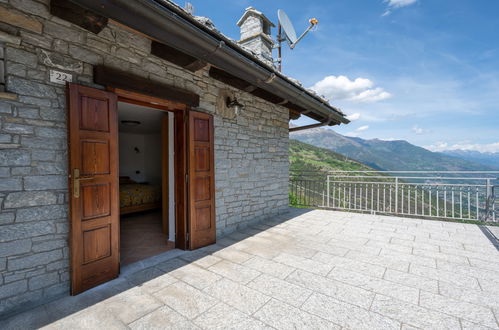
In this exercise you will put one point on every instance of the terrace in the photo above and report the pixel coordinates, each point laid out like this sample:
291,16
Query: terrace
308,269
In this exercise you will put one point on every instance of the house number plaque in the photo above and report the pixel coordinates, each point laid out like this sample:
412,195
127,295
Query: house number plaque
59,77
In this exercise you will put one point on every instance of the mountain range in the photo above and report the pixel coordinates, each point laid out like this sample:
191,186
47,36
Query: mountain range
485,158
397,155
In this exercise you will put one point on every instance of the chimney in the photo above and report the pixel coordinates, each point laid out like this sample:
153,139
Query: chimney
256,35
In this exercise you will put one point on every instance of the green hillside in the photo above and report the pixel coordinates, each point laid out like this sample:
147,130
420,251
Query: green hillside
305,158
309,166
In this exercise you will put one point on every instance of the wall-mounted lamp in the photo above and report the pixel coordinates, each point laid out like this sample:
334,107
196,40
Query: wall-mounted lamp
131,122
234,104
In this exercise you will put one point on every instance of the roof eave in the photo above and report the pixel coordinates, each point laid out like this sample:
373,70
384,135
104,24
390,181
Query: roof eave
155,17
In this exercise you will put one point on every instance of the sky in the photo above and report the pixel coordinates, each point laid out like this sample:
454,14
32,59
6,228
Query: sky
425,71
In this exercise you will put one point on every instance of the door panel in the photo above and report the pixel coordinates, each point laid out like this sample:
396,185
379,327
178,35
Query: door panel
201,183
94,157
93,164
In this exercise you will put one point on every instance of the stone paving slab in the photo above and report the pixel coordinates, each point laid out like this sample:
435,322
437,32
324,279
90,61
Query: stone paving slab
307,270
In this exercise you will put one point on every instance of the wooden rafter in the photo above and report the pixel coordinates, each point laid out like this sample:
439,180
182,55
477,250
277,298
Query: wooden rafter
177,57
78,15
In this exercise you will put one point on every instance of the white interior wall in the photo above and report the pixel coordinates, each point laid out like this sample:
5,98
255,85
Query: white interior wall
152,159
130,160
147,161
171,176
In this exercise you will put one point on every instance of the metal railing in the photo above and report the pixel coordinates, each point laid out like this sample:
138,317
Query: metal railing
459,195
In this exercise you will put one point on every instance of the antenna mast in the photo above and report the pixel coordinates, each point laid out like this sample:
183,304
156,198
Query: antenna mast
286,31
279,47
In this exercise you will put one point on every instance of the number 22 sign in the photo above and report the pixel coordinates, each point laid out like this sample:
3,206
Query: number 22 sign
59,77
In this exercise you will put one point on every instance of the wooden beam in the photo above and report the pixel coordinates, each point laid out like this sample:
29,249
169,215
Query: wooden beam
78,15
177,57
196,66
250,89
146,100
267,96
123,80
129,29
300,128
228,79
293,115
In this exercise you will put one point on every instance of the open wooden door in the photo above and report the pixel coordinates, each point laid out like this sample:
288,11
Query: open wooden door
201,180
93,166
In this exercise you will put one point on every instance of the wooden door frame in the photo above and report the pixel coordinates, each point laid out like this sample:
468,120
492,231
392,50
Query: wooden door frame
180,153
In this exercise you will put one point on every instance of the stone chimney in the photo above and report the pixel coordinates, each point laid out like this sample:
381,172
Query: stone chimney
256,34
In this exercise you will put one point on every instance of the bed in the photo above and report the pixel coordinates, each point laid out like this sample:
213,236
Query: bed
137,197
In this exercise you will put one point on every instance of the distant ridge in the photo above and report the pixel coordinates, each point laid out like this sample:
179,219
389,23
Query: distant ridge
485,158
387,155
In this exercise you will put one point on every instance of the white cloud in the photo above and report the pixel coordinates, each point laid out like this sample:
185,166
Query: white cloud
399,3
442,146
394,4
354,116
357,131
419,130
342,88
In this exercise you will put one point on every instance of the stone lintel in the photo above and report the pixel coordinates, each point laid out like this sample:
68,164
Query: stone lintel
8,96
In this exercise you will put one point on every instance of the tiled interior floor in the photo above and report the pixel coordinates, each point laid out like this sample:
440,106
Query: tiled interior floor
141,236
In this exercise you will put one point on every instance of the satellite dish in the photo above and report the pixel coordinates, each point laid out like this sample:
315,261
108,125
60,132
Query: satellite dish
286,31
287,26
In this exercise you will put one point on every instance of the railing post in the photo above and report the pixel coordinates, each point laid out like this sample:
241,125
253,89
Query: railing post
488,201
327,184
396,194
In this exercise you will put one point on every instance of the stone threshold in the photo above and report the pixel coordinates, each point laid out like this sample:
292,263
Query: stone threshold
150,262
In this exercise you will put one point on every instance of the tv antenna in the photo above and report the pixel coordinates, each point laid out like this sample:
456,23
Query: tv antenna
286,32
189,8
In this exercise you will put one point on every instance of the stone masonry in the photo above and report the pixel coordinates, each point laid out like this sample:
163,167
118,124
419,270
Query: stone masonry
256,34
250,150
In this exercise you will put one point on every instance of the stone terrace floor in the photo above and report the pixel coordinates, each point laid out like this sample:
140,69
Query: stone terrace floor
308,270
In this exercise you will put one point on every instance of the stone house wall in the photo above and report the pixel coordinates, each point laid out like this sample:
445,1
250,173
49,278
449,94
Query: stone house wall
250,150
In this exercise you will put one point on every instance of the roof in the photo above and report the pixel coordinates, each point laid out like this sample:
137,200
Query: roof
170,24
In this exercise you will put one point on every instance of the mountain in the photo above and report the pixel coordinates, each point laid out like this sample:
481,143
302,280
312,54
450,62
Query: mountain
386,155
305,158
484,158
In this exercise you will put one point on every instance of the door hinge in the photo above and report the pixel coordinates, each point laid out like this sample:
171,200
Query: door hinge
187,237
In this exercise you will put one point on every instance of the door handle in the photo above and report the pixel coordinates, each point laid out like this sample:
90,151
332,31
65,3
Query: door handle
76,182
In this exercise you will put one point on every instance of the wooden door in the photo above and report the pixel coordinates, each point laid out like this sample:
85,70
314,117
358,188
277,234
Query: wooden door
93,166
201,181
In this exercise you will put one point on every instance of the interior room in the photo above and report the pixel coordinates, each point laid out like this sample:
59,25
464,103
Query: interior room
146,182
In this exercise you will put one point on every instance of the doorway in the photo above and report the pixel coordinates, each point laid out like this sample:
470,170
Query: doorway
146,182
94,200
